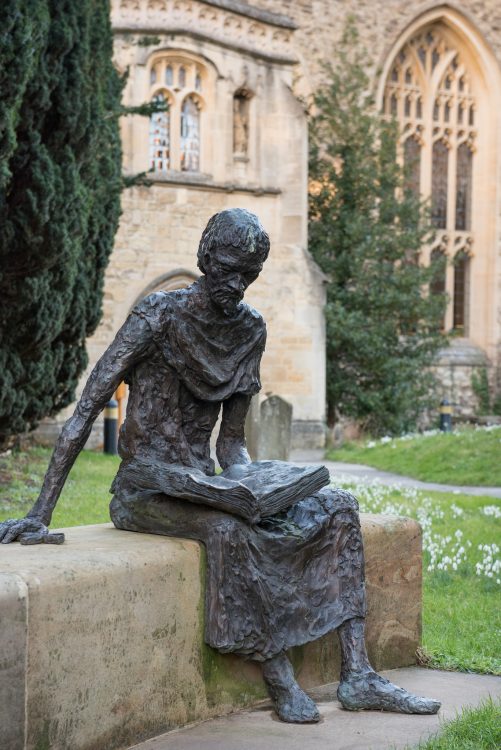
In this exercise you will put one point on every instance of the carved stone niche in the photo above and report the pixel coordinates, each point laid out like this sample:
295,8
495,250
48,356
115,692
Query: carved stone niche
241,121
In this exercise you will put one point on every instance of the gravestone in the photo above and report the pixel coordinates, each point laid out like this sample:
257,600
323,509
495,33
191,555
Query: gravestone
275,425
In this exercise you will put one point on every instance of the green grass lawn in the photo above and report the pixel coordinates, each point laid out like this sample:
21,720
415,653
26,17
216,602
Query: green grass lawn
85,498
473,729
464,457
461,620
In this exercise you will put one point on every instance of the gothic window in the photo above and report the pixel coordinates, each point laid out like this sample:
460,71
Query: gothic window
175,136
160,137
439,181
463,187
429,90
412,162
461,269
439,261
190,135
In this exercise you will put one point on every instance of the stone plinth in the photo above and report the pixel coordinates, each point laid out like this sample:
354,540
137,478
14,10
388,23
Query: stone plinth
101,639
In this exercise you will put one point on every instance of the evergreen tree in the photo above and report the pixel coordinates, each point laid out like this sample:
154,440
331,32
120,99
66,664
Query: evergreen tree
366,231
60,183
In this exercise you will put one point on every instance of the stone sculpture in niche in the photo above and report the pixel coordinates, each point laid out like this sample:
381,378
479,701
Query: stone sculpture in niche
241,123
284,552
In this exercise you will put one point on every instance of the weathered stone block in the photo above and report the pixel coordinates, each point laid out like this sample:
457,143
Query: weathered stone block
112,649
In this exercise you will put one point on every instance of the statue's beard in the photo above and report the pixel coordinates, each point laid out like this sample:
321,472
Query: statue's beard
226,300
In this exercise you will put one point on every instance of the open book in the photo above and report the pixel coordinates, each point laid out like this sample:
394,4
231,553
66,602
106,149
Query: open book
253,491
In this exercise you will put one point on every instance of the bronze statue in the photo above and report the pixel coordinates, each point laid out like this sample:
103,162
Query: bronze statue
275,579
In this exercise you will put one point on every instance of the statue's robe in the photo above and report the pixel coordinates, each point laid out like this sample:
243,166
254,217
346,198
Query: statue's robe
272,585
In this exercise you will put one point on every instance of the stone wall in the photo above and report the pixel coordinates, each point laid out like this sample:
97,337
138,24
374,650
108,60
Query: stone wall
279,61
101,642
161,225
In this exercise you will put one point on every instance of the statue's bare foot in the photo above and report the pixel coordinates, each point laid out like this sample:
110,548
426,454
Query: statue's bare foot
291,703
371,691
294,706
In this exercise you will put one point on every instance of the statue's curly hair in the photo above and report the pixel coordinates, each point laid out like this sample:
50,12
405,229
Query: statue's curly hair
234,228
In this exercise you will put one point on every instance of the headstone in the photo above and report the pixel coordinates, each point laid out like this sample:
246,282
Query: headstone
275,426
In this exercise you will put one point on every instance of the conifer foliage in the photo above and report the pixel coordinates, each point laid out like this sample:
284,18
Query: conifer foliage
60,183
367,231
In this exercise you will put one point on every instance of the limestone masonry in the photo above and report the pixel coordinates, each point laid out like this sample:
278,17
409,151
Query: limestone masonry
235,76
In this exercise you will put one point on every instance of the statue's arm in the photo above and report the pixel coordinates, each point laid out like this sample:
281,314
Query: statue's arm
129,347
231,448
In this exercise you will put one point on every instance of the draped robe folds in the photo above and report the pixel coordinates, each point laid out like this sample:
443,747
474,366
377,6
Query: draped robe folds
269,586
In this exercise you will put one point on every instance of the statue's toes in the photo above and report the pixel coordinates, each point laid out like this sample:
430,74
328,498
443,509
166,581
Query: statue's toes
418,705
373,692
298,708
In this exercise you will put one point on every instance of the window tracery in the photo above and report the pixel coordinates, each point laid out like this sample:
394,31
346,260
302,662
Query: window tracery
160,136
190,135
175,136
429,91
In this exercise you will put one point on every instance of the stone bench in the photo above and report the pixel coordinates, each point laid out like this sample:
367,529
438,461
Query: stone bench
101,639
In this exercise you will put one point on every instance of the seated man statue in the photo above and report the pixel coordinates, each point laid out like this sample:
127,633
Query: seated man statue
272,582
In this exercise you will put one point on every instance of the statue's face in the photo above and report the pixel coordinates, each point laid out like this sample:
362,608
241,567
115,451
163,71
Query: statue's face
228,275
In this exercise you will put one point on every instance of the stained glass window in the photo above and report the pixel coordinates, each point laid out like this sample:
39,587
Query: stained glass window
160,138
463,187
174,136
190,135
439,180
433,98
412,162
461,268
439,262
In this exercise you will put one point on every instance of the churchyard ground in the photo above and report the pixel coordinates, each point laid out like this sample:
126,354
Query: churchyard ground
462,565
466,456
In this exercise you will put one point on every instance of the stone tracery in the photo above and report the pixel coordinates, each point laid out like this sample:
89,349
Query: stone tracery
175,135
429,90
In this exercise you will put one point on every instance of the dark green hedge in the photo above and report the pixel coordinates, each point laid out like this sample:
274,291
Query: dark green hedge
60,183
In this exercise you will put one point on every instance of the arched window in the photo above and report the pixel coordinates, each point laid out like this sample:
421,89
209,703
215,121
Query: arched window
461,291
160,137
175,136
412,163
190,135
439,261
429,90
439,184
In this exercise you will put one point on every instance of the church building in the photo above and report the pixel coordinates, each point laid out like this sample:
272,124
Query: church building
235,76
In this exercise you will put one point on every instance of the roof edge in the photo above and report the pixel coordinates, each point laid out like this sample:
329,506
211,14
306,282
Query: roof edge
250,11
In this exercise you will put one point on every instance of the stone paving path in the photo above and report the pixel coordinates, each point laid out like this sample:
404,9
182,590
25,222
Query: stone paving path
362,473
259,729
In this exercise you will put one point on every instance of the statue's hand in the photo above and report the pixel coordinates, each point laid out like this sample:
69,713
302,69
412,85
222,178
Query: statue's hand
27,531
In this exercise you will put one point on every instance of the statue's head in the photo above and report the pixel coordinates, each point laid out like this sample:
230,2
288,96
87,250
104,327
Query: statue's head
231,254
